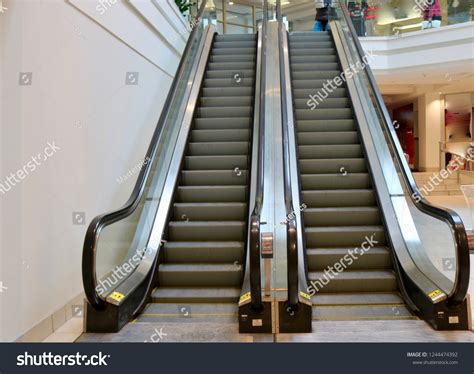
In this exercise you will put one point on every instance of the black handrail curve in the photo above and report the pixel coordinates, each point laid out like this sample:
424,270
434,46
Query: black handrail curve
255,218
89,277
461,282
291,224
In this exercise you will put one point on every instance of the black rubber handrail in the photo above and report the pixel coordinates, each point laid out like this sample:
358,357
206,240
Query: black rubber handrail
291,224
461,282
255,218
89,277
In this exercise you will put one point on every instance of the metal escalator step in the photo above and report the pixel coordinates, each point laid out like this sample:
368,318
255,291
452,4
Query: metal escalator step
362,313
333,113
314,84
213,177
234,37
360,298
328,138
182,313
212,193
315,66
234,66
199,275
343,236
216,162
310,36
330,151
294,60
316,102
305,93
199,252
210,211
234,44
335,181
230,51
336,166
312,52
223,123
339,198
230,74
375,258
237,101
227,135
228,82
342,216
207,230
218,148
355,281
310,44
220,112
326,125
316,74
196,295
226,92
232,58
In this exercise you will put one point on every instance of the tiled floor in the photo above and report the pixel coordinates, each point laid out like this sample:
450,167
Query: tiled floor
323,331
68,332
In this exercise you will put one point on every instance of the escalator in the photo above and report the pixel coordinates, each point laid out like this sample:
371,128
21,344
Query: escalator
342,210
179,249
202,258
368,245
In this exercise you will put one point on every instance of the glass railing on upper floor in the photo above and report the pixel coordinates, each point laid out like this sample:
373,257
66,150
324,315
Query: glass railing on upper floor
386,17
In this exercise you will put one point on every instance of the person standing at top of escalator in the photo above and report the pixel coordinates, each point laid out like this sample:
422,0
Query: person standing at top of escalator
325,11
431,14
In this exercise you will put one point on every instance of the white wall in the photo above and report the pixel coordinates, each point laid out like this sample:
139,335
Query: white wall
79,100
452,45
430,128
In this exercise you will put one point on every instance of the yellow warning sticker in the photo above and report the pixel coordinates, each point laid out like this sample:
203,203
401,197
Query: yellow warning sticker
435,294
246,296
117,296
305,295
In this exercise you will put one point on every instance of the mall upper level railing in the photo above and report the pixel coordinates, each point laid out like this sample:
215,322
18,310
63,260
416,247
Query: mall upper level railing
387,17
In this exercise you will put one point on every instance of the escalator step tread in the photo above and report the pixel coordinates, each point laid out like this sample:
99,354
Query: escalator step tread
362,298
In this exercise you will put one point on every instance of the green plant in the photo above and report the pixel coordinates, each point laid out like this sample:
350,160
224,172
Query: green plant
183,5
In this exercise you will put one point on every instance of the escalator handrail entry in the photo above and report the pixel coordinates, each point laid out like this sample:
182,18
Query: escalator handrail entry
104,220
447,215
